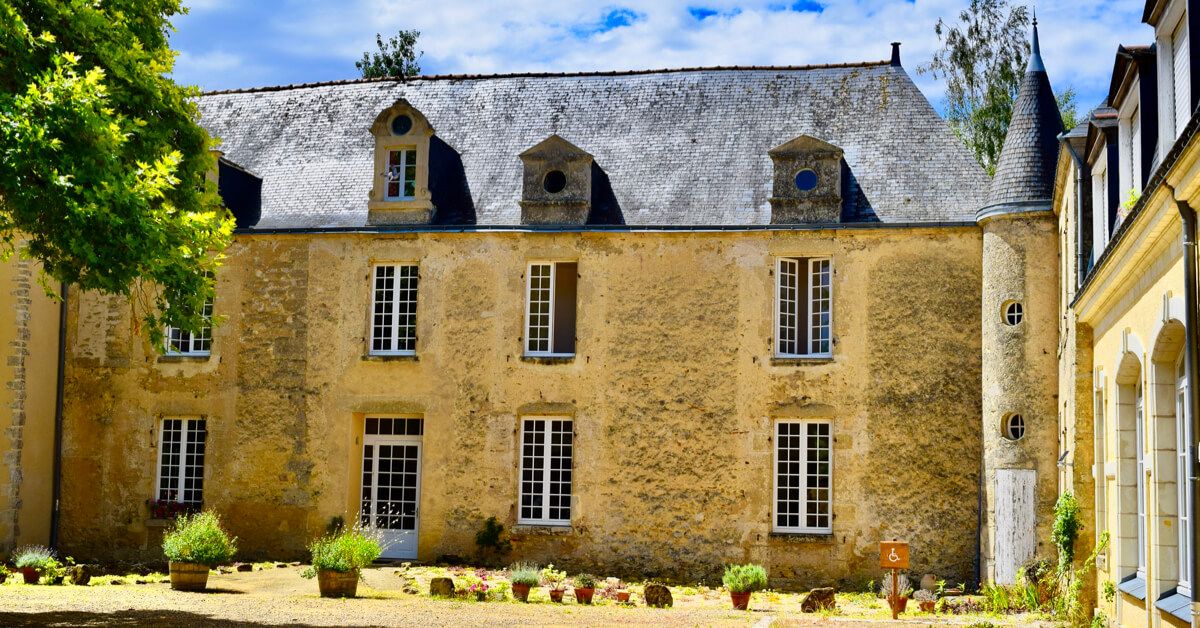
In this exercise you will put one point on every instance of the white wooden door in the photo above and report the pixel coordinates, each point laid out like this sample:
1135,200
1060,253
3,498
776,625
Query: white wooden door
391,488
1015,523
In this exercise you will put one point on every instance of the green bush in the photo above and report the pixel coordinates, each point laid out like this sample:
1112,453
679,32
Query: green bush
525,573
35,557
745,578
1066,529
199,539
348,550
585,581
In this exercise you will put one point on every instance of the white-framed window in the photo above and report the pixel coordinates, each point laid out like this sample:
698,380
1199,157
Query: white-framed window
1181,100
180,476
803,477
1183,480
550,308
547,457
180,342
1140,440
394,309
1099,473
401,176
1100,226
803,307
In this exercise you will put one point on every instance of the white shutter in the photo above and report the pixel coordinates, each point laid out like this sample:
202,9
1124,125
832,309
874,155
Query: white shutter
1183,91
1135,150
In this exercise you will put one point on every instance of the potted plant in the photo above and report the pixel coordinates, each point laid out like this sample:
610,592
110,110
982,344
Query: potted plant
742,580
523,576
475,585
614,589
33,561
556,580
584,587
926,599
897,599
194,545
338,558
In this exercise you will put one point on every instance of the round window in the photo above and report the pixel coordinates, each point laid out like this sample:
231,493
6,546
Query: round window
401,125
554,182
1014,427
806,180
1013,313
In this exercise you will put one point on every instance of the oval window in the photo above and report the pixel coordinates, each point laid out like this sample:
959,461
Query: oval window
1013,313
1014,427
554,182
806,180
401,125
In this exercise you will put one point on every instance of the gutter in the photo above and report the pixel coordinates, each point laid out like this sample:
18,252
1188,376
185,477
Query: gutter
387,229
1080,256
1191,314
56,491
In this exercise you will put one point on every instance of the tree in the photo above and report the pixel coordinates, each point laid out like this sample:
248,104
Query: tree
982,60
396,58
1068,106
103,167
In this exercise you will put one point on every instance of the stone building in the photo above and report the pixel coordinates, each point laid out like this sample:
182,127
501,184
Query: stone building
1125,187
653,322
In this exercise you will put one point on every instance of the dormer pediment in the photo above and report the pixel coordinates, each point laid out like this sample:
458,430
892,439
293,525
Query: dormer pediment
557,184
807,182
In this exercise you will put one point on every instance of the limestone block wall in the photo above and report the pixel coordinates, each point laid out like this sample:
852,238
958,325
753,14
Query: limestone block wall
673,391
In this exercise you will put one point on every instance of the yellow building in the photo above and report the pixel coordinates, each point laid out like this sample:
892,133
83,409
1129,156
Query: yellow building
1126,183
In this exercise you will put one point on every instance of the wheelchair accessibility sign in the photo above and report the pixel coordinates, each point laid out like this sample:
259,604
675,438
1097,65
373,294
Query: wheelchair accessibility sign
893,555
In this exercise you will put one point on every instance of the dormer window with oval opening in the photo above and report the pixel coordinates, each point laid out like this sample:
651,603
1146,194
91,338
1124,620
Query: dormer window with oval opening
400,187
557,188
807,186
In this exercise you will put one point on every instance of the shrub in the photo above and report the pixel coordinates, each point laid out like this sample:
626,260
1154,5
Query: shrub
199,539
554,578
745,578
885,587
1066,530
34,557
491,537
924,595
524,573
351,549
585,581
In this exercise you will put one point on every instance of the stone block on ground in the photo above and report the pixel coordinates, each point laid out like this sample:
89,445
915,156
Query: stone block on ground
441,587
245,566
819,600
657,596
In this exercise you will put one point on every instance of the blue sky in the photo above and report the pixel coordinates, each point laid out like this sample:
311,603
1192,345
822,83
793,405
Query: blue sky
243,43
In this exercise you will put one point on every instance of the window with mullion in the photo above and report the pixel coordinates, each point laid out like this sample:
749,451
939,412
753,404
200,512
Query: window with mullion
181,461
401,176
547,453
394,310
803,307
180,342
803,477
550,308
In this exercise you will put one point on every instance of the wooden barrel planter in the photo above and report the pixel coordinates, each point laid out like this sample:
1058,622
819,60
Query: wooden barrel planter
337,583
189,576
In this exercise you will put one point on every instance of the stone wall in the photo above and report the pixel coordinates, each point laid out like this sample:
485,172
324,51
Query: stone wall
673,390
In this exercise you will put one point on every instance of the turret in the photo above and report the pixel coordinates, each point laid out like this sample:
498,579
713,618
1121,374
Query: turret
1019,335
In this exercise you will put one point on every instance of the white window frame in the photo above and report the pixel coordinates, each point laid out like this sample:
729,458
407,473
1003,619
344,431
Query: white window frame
189,341
553,297
1100,226
396,301
1139,414
390,172
188,425
806,329
545,469
1183,479
1101,456
801,529
1171,28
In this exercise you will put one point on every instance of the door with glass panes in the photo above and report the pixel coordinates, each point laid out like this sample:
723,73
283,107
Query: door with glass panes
391,482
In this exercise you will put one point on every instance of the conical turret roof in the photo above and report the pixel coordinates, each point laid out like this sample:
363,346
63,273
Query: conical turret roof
1024,180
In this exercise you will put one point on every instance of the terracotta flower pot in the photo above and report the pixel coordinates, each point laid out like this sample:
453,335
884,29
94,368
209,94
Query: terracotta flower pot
741,601
189,576
623,597
337,583
557,594
927,606
31,574
521,592
584,596
899,603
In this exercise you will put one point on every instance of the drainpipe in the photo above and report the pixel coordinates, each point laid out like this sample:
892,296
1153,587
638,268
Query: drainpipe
1080,254
56,491
1192,354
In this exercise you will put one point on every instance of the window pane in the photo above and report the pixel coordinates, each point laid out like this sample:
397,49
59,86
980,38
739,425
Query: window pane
820,304
538,332
787,293
802,476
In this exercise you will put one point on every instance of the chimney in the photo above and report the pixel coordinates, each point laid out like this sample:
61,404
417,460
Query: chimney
896,54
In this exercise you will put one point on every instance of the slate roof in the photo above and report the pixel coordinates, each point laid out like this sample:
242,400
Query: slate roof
676,147
1025,171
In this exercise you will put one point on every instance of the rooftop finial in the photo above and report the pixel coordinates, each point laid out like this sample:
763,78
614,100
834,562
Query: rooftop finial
1035,62
896,53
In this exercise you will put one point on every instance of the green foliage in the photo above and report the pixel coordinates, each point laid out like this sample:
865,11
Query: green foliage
349,549
491,537
1067,525
982,60
1110,591
103,167
34,556
1069,108
585,581
200,539
744,578
524,573
397,57
553,578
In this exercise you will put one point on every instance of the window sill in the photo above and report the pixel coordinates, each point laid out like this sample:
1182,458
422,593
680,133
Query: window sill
800,360
537,529
802,537
402,357
177,358
1133,586
548,359
1176,604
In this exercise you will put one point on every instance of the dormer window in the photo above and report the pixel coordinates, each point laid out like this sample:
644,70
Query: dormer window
807,186
400,187
557,186
1170,22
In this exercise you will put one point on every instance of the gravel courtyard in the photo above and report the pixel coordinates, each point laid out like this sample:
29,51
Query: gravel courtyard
279,596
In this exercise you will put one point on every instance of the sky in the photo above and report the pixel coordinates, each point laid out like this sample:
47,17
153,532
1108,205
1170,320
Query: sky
226,44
